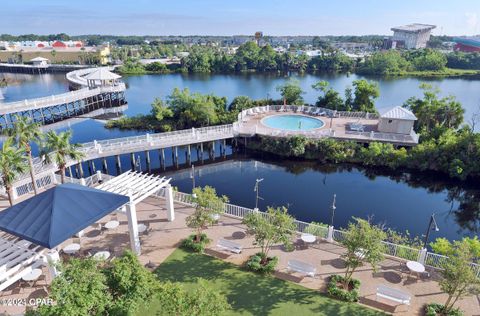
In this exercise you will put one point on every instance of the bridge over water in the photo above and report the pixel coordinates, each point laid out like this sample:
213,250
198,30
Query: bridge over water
91,95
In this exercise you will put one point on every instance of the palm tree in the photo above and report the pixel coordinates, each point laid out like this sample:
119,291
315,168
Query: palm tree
24,132
12,163
57,147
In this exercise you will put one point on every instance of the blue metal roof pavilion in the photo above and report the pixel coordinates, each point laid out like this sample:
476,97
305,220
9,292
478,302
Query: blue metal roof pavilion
53,216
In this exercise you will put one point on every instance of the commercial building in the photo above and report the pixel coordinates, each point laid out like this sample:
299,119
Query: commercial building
467,44
411,36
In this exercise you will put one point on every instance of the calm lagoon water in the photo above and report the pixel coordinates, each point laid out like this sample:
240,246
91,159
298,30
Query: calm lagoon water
403,201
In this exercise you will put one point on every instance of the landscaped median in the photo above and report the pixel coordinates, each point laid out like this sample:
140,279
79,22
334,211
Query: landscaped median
250,293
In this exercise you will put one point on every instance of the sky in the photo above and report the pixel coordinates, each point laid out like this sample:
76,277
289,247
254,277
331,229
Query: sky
235,17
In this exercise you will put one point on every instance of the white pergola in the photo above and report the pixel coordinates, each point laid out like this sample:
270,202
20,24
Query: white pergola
138,186
17,258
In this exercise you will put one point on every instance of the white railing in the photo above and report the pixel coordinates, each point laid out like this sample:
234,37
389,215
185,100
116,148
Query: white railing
402,252
125,145
68,97
26,186
77,76
244,115
388,137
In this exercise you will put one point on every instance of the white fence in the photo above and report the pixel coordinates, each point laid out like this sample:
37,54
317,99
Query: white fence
305,109
243,127
50,179
63,98
402,252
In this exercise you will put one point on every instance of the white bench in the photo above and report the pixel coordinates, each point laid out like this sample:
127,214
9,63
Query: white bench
229,245
302,267
393,295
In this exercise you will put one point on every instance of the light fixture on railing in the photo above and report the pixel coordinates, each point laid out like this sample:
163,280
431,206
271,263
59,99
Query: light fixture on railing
432,225
256,189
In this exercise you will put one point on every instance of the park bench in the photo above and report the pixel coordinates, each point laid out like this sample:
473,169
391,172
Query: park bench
229,245
394,295
301,267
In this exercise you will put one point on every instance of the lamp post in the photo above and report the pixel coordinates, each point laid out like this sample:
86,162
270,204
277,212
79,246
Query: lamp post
334,207
432,225
192,176
257,190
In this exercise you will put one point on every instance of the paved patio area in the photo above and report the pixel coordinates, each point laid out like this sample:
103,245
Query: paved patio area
338,127
163,237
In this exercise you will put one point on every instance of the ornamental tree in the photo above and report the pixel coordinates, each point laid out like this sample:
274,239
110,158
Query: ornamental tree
80,289
291,92
207,204
459,280
131,285
362,241
276,227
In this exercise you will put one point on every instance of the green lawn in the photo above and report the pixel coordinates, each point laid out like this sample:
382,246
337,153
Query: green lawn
249,293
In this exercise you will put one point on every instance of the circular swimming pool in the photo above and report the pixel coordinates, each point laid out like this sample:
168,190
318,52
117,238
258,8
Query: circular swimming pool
292,122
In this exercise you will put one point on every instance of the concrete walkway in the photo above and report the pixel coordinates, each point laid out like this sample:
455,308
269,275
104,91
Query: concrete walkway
164,237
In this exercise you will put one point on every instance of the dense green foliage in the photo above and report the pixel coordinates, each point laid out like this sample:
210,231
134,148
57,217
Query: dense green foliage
196,243
182,109
250,293
179,300
435,309
445,247
122,287
360,99
58,148
336,289
461,60
291,92
459,279
433,112
13,163
393,62
261,264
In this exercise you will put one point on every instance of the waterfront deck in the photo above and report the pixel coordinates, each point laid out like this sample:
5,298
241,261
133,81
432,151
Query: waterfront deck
164,237
336,125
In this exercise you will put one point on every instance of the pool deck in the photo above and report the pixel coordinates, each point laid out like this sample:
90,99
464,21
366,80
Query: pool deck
164,237
335,127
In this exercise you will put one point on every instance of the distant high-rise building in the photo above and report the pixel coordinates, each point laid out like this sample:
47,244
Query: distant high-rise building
411,36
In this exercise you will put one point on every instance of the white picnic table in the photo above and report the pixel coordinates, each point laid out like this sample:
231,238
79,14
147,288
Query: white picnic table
112,224
308,238
72,248
102,255
415,266
33,275
142,228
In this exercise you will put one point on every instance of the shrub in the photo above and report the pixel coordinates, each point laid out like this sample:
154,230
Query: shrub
191,243
435,309
335,288
255,263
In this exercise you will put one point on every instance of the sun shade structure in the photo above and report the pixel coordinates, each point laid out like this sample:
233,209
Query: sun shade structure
55,215
138,186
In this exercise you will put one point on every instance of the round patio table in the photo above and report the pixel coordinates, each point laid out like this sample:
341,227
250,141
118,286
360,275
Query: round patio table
33,275
112,224
71,249
308,238
102,255
415,266
142,228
